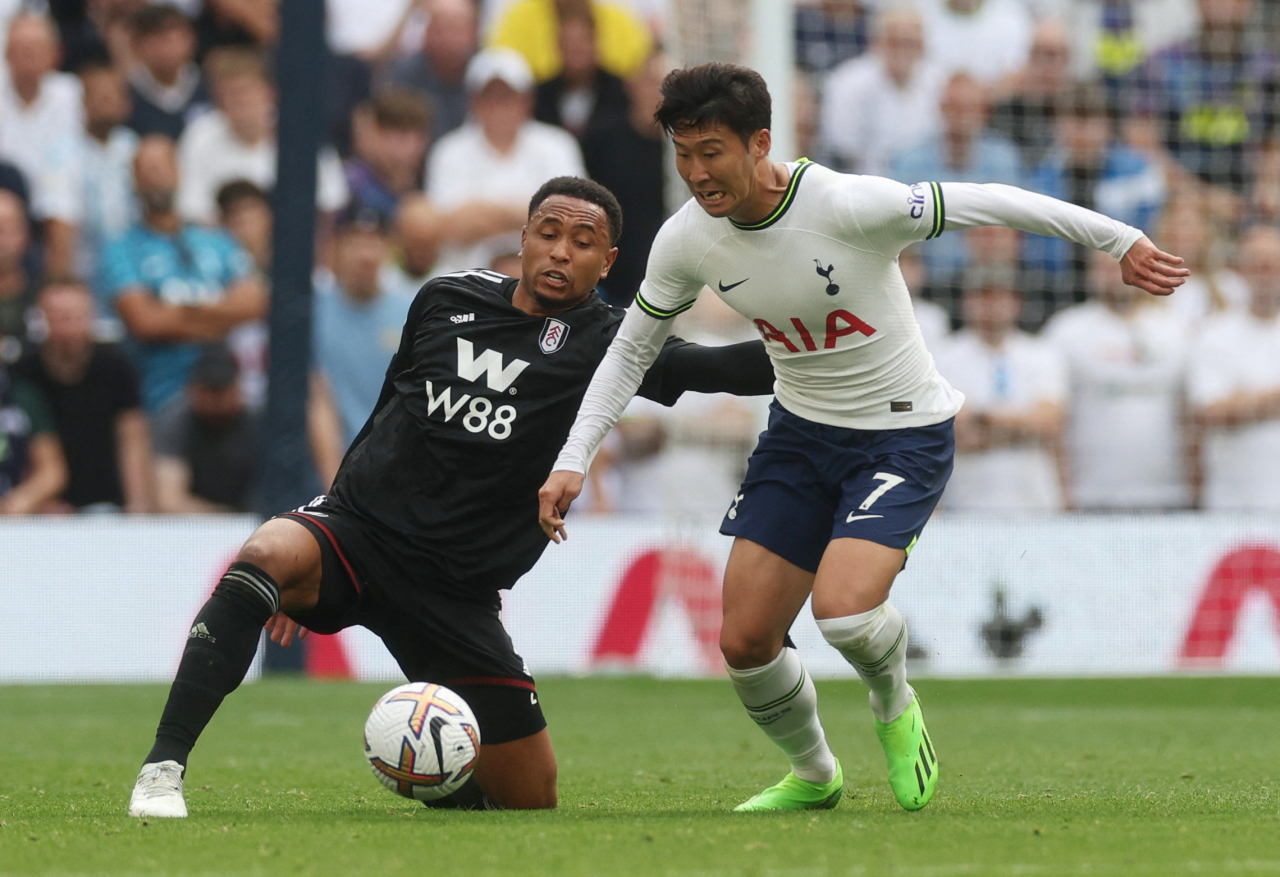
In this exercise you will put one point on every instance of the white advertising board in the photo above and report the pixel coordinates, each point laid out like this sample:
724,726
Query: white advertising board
97,599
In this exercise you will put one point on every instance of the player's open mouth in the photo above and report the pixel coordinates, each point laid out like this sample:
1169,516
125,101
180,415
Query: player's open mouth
711,197
555,279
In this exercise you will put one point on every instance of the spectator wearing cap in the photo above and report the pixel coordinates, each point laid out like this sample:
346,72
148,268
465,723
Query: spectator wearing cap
106,204
207,442
33,470
93,393
532,27
496,161
238,141
391,134
1015,387
1087,168
1126,447
167,88
438,69
357,320
42,117
581,95
174,284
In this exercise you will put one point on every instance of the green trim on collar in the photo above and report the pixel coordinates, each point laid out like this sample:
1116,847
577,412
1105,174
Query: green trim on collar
787,198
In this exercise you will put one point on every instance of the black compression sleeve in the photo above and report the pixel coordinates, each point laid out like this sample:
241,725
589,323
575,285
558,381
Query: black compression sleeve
741,369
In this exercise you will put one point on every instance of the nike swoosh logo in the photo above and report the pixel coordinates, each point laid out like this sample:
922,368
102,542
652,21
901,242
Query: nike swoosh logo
852,517
724,288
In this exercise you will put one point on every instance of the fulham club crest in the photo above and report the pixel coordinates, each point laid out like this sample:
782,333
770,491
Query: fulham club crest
553,335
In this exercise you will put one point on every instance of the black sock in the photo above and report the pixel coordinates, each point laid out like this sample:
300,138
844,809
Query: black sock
220,648
469,797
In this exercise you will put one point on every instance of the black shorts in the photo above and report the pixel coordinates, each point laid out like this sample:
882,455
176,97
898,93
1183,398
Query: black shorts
433,636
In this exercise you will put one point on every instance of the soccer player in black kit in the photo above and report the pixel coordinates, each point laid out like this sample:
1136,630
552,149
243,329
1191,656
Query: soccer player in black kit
434,509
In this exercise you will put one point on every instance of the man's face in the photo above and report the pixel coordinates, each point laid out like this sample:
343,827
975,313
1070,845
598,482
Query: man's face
68,313
901,44
359,255
577,49
106,99
15,232
501,109
167,51
1085,137
247,101
565,251
964,109
450,37
397,152
992,309
1050,54
1260,268
32,51
155,175
717,166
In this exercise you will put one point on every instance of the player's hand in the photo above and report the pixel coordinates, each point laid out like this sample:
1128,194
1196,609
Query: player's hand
554,499
1148,267
282,629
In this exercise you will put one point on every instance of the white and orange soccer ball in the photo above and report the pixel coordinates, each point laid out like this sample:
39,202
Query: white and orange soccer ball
422,740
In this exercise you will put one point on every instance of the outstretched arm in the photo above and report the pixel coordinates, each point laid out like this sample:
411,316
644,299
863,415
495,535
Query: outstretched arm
619,375
965,205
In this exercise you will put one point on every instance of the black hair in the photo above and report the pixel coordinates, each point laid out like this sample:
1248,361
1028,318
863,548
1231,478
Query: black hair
728,94
157,18
584,190
232,193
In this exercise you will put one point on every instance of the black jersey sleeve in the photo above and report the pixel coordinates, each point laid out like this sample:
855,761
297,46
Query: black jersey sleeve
682,366
397,363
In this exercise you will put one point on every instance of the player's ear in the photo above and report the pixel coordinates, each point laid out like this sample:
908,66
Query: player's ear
761,142
609,258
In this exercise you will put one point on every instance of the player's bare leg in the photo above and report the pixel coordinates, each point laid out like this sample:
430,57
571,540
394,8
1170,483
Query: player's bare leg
850,603
519,775
277,570
763,593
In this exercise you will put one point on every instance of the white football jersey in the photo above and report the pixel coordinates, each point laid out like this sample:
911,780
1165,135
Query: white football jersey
819,279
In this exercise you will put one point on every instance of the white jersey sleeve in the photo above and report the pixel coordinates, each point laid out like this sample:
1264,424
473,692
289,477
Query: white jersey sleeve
669,288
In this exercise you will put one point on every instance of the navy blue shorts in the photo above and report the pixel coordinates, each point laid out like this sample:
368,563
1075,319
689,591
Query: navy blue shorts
808,483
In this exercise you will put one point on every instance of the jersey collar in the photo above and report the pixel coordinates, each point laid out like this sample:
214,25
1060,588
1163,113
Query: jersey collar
792,187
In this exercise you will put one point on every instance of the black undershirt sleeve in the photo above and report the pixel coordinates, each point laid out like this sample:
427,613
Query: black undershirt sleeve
682,366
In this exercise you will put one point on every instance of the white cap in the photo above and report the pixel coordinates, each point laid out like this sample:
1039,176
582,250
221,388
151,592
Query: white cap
498,63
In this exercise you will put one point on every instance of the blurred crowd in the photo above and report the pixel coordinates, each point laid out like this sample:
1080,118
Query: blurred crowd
138,157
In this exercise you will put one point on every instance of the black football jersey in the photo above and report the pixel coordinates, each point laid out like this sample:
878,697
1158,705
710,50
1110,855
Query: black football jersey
477,402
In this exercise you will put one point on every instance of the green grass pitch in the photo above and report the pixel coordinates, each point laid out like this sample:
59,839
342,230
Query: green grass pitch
1123,777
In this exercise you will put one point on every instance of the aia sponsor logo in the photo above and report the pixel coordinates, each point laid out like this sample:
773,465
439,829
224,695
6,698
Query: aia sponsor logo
838,324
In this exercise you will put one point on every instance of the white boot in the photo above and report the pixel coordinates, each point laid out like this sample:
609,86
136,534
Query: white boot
158,791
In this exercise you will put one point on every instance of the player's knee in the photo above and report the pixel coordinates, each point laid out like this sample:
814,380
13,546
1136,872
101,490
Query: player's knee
289,555
743,649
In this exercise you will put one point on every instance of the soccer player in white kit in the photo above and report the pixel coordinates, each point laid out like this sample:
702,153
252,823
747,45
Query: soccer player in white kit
860,440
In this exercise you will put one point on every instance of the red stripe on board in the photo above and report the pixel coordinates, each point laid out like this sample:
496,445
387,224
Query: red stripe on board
1240,573
326,658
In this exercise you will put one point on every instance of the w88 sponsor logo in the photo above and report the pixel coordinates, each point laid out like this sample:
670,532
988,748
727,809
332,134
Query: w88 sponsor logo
481,415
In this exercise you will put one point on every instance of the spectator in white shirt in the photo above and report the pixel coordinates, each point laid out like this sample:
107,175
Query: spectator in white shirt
1015,388
884,101
40,120
496,161
1234,385
988,39
107,203
238,141
1127,356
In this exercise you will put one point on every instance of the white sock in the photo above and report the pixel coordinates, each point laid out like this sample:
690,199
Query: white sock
875,643
781,699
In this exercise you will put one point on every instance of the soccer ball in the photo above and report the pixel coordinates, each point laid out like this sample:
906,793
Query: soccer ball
422,740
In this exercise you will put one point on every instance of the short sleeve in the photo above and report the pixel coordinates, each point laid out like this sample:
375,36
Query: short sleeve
669,287
891,215
34,403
